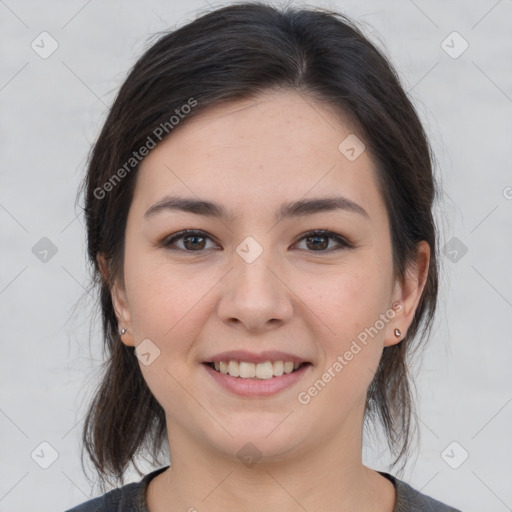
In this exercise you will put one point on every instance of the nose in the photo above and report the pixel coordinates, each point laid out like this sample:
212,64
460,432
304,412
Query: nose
255,296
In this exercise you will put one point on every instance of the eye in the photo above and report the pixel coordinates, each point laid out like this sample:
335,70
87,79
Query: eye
195,241
319,239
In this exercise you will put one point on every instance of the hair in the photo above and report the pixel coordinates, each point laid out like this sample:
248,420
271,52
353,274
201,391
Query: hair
239,52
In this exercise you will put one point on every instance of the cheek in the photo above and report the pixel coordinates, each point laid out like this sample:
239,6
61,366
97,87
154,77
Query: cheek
352,298
166,300
350,349
353,307
169,299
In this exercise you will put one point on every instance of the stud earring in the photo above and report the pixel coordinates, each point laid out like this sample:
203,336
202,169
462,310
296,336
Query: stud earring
122,331
398,333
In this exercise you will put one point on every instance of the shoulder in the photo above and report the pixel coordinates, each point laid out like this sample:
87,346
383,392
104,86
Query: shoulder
128,498
117,500
409,499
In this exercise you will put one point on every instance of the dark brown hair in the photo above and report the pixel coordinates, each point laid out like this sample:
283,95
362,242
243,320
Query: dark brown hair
238,52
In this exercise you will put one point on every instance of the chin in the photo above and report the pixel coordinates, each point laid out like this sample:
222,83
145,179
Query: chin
254,437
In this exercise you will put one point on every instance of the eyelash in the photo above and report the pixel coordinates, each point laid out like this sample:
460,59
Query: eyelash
343,244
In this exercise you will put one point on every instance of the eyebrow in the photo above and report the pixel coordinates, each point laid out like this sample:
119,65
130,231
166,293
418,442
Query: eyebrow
299,208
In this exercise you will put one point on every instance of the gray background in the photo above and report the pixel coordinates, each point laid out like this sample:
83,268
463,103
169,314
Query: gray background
51,111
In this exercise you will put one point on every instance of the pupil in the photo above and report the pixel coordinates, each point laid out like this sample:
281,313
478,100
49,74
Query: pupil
322,246
316,243
192,237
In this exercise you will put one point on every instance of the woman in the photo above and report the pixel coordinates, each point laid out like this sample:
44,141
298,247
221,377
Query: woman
259,218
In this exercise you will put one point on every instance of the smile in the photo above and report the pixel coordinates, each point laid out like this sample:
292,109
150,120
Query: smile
263,371
256,379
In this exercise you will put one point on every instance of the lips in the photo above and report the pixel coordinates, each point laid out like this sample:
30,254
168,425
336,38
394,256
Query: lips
262,365
251,374
253,387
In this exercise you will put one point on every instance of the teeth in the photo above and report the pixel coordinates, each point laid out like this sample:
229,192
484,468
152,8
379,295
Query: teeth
288,367
278,368
233,369
264,370
246,370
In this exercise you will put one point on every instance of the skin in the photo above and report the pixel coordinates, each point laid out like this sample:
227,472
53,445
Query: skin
293,297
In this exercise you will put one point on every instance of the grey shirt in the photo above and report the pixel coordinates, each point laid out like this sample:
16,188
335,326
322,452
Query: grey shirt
132,498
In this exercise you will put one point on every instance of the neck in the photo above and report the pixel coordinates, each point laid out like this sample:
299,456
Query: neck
327,476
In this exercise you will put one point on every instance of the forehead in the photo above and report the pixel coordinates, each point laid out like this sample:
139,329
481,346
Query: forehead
254,153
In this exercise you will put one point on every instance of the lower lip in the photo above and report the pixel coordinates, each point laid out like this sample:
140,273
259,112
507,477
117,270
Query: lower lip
257,387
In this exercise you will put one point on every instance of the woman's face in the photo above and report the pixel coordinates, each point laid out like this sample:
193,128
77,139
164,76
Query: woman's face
255,280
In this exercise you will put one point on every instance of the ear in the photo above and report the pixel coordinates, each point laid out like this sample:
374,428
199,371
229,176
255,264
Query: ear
407,294
119,301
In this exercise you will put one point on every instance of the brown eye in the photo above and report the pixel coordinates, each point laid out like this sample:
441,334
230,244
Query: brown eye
318,241
193,241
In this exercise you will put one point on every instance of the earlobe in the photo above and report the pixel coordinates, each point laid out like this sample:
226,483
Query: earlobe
407,293
119,302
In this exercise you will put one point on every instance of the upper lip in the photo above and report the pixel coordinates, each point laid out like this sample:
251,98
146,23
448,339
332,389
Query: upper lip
251,357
